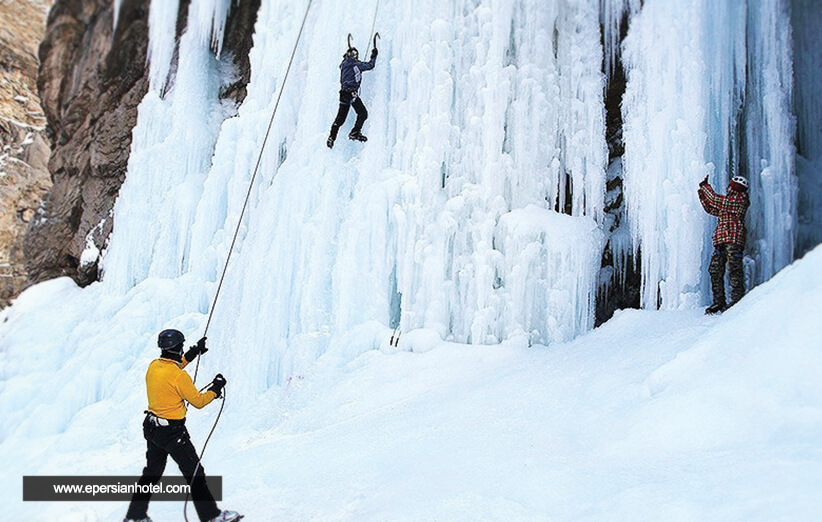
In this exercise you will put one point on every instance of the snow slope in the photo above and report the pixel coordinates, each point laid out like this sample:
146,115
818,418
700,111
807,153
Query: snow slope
667,415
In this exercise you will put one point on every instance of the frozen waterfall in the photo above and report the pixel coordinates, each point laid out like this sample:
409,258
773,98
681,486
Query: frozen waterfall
709,93
475,211
486,126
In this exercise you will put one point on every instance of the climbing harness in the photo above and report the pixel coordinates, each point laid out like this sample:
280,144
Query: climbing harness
253,178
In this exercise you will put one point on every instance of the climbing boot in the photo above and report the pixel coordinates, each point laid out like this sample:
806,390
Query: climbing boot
357,136
227,516
715,309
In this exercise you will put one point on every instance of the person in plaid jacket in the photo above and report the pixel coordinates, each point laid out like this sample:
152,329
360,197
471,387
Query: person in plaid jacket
729,239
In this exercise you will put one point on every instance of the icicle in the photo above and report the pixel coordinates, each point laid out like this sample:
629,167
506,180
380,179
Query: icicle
769,132
117,5
209,20
162,28
611,15
664,113
585,154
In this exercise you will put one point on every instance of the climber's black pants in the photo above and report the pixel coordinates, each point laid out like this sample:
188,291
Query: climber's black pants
172,440
347,100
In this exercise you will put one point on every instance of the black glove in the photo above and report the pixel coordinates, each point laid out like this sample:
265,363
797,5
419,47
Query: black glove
703,182
217,385
197,349
374,53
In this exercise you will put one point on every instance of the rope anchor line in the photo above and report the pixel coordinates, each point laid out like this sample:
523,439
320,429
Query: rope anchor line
251,182
374,36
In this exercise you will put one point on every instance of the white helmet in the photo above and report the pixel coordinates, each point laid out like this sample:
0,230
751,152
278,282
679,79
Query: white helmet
739,180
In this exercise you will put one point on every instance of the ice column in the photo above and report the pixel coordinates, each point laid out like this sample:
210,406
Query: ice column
769,132
210,17
162,32
171,151
664,115
611,13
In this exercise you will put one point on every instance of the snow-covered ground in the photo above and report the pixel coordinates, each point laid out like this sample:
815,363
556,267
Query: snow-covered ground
667,415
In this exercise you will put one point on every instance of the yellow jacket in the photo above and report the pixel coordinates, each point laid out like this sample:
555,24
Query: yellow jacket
169,386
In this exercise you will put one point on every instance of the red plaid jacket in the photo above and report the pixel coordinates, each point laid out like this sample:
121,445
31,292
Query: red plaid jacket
730,210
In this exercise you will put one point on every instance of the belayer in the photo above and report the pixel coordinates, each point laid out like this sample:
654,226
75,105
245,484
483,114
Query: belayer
350,77
169,387
728,239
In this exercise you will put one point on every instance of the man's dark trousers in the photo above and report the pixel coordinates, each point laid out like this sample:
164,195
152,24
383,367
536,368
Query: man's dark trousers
347,100
733,256
172,440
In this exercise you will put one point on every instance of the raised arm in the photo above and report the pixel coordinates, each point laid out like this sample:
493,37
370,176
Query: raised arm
710,200
367,66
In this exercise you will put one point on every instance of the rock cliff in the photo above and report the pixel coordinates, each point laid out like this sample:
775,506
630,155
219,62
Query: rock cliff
92,77
24,149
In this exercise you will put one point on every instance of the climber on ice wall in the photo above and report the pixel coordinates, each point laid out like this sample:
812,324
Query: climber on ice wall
350,77
728,239
169,387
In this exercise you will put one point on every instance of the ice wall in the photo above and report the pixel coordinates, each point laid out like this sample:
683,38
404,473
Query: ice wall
664,113
708,93
770,128
472,211
512,115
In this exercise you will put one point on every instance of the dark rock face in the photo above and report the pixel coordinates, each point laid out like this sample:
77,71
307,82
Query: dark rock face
24,179
238,42
91,81
90,84
617,291
24,148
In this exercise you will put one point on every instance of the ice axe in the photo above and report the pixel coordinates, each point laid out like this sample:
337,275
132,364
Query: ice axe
376,35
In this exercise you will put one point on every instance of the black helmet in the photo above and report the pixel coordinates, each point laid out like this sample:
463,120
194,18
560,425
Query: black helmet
171,341
353,53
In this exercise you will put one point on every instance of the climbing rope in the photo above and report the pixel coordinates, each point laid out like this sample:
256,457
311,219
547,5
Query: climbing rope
200,458
373,35
251,183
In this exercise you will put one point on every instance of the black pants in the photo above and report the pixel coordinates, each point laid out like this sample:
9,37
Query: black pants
348,99
732,255
172,440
